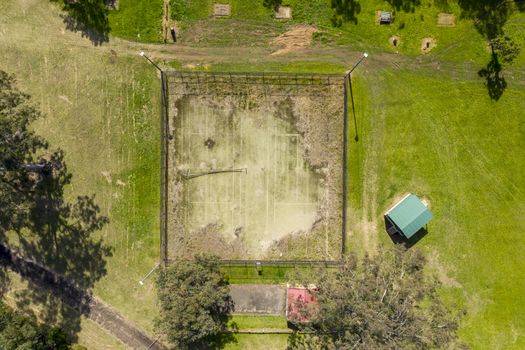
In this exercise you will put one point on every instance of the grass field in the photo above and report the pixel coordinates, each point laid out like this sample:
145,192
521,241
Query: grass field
138,20
425,123
102,109
447,141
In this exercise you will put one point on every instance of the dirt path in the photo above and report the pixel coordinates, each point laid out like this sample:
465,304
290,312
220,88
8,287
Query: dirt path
80,300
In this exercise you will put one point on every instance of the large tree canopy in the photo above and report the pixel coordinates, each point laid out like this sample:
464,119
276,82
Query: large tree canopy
19,146
21,332
384,302
50,230
195,303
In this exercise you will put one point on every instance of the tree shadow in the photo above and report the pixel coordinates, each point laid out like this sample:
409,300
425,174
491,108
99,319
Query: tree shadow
272,4
90,17
404,5
494,80
4,281
489,15
399,239
61,241
223,318
345,11
59,257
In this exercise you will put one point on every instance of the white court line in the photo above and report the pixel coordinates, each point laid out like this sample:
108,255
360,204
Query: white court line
266,170
296,165
207,202
275,169
298,203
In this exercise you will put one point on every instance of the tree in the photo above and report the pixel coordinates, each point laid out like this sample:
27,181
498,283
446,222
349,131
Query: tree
384,302
51,230
22,332
195,303
505,48
344,10
90,17
19,146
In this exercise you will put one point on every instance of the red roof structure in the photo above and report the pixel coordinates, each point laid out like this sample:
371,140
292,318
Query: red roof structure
301,304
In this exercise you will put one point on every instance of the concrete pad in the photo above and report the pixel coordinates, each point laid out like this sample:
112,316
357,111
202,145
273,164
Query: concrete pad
446,20
221,10
258,299
283,12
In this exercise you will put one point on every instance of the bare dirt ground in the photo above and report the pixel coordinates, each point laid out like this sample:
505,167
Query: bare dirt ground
297,38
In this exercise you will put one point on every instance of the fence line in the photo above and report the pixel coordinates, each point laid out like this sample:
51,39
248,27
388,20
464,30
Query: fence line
291,79
164,148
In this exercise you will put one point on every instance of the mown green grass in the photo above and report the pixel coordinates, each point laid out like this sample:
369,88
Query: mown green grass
259,322
258,342
249,274
445,140
138,20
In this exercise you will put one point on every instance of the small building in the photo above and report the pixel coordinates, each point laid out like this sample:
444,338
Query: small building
407,216
301,304
385,17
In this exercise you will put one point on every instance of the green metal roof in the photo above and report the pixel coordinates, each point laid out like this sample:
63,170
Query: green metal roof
409,215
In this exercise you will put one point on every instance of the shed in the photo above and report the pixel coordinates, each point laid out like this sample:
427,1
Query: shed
385,17
408,216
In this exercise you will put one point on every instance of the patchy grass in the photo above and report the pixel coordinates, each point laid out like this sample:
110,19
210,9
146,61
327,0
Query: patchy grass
445,140
138,20
101,107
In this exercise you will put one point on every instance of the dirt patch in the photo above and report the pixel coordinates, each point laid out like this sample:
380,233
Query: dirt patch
446,20
283,12
222,10
442,271
297,38
427,44
394,41
107,176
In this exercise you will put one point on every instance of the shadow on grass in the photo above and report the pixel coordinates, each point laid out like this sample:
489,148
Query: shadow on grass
489,15
218,341
345,11
61,240
397,238
59,257
404,5
90,17
494,80
356,138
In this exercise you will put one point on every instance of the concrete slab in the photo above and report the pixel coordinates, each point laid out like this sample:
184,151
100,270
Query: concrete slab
221,10
283,12
258,299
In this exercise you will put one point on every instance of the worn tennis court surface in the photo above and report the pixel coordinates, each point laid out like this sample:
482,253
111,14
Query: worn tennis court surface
254,166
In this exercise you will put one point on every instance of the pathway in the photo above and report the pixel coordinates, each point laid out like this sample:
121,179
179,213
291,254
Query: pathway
80,300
